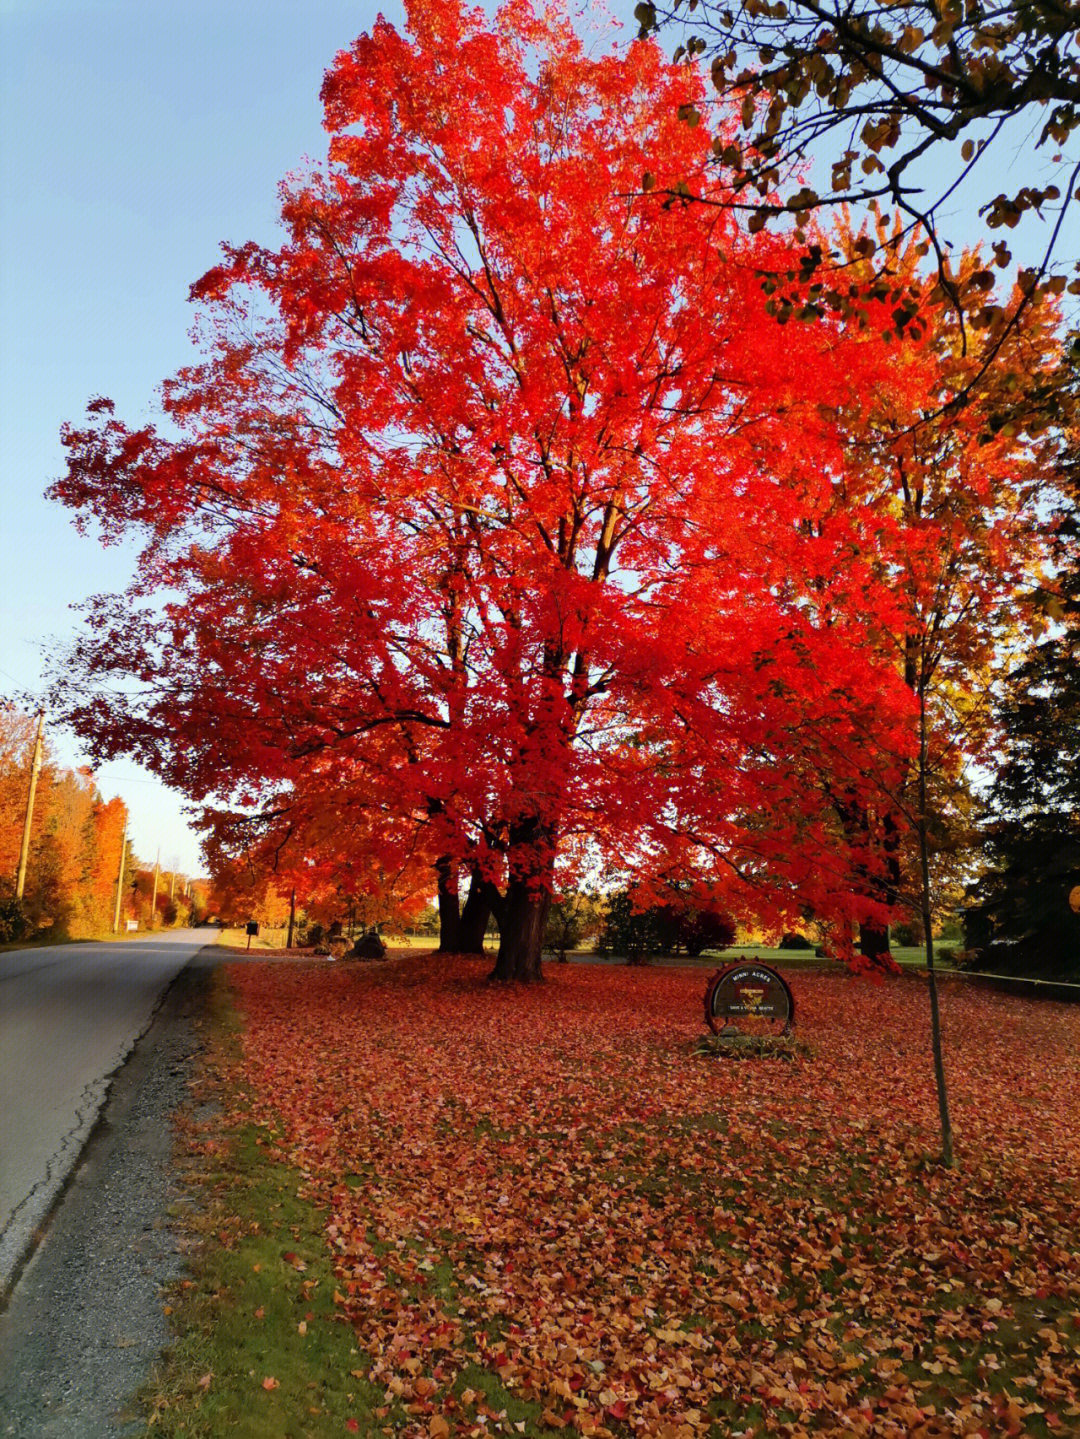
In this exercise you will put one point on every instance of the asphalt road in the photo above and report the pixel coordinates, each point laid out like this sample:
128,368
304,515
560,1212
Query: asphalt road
88,1318
69,1016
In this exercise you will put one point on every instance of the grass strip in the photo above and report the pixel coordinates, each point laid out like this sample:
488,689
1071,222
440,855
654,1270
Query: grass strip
261,1349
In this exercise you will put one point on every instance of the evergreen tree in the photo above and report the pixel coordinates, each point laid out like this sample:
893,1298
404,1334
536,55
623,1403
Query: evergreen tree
1023,920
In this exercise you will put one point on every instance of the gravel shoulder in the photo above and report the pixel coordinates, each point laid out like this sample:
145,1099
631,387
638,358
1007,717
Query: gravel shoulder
86,1320
69,1016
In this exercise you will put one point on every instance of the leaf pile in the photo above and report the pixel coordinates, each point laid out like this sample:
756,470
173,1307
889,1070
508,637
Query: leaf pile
547,1194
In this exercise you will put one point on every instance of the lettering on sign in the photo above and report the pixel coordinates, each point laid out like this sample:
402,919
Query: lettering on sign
749,998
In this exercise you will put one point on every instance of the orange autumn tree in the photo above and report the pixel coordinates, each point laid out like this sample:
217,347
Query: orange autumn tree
495,474
319,856
66,847
16,750
74,845
110,825
953,499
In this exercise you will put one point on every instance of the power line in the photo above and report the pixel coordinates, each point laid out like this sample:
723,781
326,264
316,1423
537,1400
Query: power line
21,683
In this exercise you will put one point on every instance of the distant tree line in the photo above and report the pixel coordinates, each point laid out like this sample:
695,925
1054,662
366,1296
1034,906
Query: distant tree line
73,862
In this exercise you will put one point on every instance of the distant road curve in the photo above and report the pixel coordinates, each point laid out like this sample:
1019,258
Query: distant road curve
69,1016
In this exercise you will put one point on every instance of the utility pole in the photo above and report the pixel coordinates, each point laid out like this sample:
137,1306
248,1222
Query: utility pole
172,883
120,880
153,902
35,770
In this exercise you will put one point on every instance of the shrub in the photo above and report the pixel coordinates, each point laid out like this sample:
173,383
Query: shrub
908,934
662,929
369,946
572,917
14,921
795,941
708,929
632,932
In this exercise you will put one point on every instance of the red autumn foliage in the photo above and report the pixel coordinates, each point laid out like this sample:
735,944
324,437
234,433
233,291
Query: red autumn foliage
497,480
553,1185
958,502
504,525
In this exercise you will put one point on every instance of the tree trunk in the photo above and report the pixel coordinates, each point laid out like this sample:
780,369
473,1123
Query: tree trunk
475,915
874,936
521,931
928,935
449,910
939,1060
874,945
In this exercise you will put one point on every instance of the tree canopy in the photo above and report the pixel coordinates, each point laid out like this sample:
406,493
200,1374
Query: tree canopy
875,90
499,523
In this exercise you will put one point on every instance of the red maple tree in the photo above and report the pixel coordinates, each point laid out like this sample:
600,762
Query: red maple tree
492,518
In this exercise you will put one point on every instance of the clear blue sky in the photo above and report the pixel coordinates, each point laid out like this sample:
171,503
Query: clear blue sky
134,137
